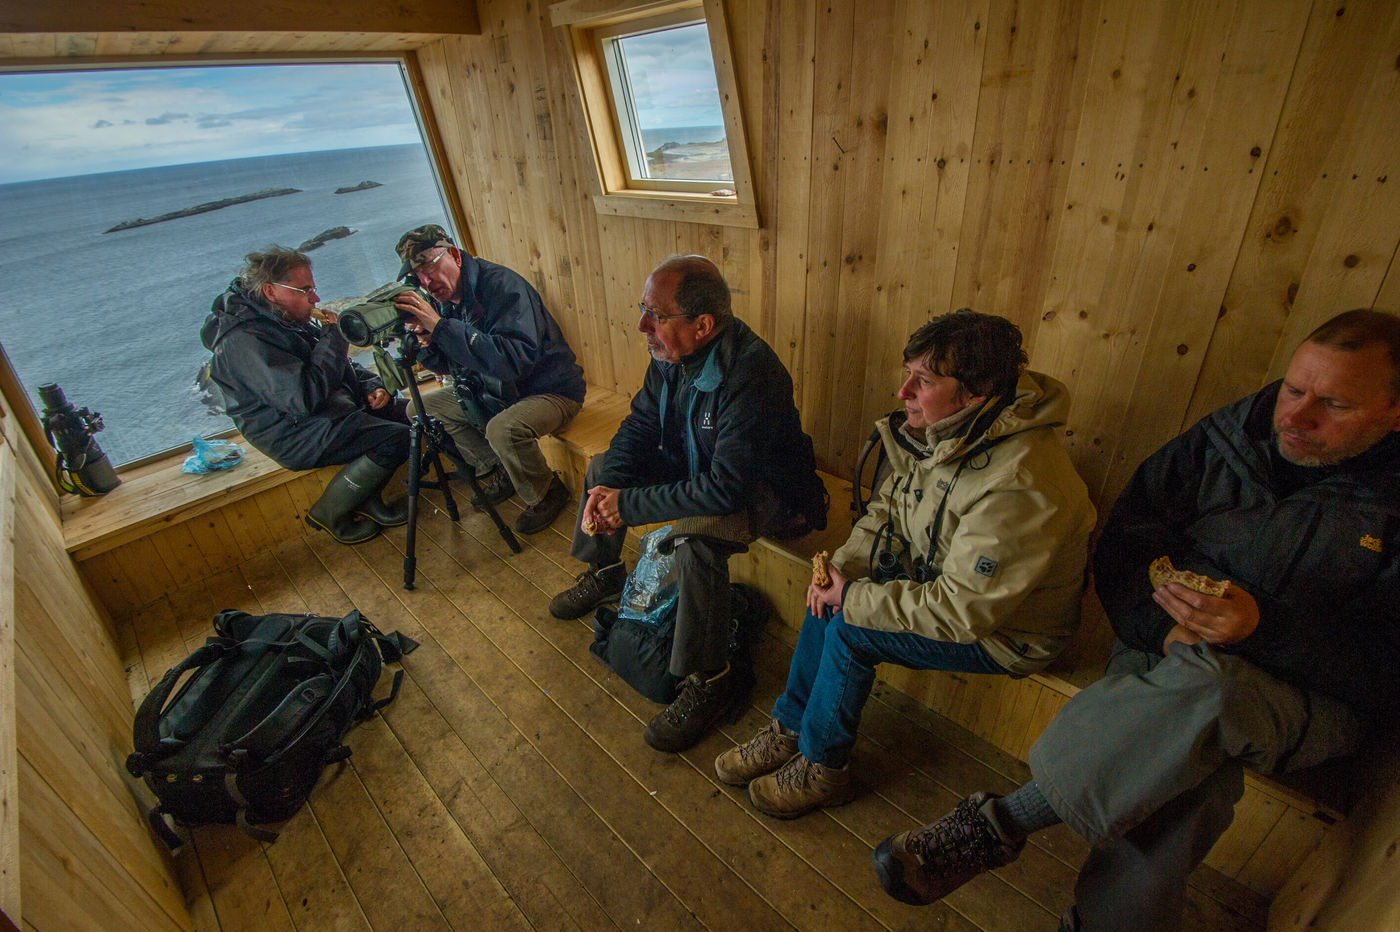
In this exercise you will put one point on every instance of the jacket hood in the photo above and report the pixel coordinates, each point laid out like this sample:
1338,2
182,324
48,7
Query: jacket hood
1041,401
231,310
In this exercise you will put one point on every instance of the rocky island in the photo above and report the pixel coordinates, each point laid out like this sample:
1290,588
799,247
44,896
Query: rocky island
204,208
362,186
325,236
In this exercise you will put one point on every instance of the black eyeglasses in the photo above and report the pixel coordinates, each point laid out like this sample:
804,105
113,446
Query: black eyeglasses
656,318
302,291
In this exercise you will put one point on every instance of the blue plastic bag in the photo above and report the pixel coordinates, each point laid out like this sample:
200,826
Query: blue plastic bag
649,595
212,455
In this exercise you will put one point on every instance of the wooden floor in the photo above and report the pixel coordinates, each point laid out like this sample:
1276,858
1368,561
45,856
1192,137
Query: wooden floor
509,787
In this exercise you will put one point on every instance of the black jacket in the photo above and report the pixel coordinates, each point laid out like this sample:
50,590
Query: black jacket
705,431
1318,549
290,388
499,343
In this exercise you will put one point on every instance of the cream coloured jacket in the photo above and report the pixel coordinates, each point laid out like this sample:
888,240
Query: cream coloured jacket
1013,544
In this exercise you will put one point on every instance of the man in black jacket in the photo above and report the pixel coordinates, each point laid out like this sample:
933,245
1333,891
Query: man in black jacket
1293,495
293,392
714,445
514,377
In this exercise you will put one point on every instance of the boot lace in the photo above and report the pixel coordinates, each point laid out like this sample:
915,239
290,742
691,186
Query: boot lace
763,747
962,841
692,694
795,774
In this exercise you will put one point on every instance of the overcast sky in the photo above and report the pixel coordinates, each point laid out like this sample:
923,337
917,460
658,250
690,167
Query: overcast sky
55,124
673,78
77,123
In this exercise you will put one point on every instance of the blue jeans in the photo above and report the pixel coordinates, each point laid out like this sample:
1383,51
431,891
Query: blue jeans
833,669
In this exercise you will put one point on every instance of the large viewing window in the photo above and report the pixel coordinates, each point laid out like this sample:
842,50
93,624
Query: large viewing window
662,109
214,162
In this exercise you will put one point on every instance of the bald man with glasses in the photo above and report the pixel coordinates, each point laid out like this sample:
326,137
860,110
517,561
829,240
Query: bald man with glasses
291,389
714,447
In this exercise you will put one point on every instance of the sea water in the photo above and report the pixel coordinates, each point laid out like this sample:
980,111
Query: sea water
114,318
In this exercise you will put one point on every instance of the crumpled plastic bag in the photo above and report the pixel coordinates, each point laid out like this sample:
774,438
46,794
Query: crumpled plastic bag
212,455
649,594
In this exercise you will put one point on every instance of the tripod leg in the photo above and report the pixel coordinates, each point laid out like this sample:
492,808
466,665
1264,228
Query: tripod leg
449,502
415,453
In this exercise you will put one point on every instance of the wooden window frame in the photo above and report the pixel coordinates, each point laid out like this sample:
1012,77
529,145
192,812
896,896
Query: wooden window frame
590,23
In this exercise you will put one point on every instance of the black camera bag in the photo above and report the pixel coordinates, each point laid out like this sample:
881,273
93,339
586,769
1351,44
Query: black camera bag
640,652
265,708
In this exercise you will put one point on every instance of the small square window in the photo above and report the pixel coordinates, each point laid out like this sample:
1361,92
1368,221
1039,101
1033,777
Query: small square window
665,100
662,109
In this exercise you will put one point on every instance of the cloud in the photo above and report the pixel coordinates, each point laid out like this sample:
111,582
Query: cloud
76,123
672,75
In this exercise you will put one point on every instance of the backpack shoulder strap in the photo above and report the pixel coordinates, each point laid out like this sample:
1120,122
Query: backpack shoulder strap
145,735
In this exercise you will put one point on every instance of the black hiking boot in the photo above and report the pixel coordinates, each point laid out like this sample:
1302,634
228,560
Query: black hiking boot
591,588
699,707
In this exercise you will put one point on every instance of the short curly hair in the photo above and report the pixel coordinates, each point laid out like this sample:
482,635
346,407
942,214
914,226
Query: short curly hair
982,351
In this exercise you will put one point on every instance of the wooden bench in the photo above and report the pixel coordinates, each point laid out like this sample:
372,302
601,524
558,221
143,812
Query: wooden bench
1275,826
161,529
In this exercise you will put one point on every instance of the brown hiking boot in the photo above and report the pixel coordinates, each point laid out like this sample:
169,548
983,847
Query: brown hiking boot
764,753
496,489
928,863
591,588
541,514
698,708
799,786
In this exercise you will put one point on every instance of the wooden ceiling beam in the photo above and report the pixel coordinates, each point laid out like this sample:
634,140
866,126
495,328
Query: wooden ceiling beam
428,17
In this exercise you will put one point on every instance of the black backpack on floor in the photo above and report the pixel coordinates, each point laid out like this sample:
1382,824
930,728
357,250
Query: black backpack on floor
639,651
265,709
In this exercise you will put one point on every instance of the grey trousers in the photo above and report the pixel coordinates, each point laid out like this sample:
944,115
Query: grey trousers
511,438
1148,763
702,548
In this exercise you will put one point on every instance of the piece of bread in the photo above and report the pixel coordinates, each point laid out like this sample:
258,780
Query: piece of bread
1162,572
590,527
821,570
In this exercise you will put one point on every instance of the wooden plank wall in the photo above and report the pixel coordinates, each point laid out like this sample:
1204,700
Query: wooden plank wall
1164,196
74,848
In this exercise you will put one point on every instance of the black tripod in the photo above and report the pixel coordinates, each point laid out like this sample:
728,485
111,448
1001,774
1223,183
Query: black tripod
426,433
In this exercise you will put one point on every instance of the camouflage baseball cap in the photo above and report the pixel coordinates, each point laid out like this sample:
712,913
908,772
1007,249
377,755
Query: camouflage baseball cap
417,241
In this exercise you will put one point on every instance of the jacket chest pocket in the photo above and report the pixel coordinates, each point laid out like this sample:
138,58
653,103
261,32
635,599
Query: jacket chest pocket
1313,551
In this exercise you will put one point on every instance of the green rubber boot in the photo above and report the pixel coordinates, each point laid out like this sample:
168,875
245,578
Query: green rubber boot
334,511
393,514
384,514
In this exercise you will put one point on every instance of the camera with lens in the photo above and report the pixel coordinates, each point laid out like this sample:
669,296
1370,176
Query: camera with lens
374,319
82,466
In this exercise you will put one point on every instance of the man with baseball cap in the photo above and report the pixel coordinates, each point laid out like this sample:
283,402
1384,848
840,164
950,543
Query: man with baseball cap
514,378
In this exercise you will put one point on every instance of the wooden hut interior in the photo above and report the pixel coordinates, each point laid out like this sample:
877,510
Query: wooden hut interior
1164,196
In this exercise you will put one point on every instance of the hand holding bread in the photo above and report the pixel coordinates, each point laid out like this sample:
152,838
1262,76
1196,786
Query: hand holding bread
1161,572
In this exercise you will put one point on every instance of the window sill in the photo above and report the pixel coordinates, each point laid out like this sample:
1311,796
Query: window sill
686,208
156,495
